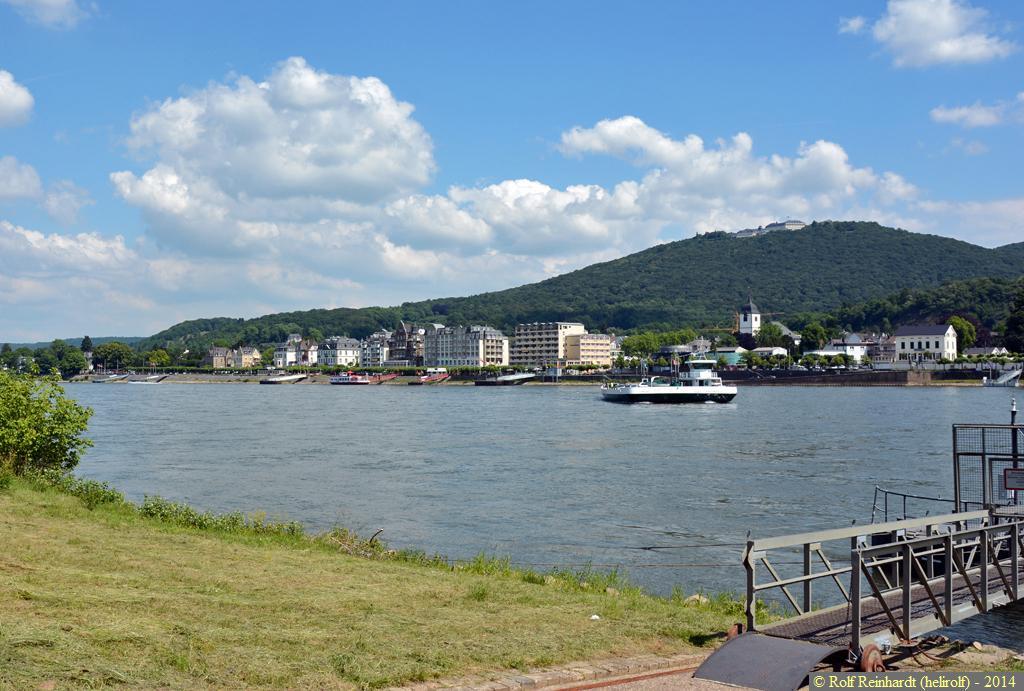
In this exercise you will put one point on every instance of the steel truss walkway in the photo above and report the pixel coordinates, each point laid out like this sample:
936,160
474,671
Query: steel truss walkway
905,578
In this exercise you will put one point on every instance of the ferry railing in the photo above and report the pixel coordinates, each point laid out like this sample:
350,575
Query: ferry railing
880,504
936,566
813,544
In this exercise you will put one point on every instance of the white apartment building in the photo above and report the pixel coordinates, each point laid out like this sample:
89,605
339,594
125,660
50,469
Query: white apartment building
852,346
295,351
374,351
589,349
542,343
339,352
462,346
925,342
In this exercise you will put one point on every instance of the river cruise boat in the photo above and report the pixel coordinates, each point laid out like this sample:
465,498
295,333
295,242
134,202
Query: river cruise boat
696,382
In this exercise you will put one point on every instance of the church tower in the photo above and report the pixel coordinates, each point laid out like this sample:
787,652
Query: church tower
750,318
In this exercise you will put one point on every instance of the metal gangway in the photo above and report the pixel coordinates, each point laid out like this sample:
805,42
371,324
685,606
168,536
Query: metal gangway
857,590
1009,378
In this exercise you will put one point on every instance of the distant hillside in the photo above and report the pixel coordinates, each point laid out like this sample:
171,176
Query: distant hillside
698,282
76,342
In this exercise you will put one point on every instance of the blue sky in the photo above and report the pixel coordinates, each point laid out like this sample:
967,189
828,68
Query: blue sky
160,162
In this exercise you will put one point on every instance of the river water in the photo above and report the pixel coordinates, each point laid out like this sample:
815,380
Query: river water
544,475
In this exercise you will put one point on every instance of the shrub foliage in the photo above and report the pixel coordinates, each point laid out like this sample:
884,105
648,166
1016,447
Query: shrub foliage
40,427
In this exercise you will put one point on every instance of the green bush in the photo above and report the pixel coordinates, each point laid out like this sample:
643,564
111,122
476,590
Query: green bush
91,492
40,427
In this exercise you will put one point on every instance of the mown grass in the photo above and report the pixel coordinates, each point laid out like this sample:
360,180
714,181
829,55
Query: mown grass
96,592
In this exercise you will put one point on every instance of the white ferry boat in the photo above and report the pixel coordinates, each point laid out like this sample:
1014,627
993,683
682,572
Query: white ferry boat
697,382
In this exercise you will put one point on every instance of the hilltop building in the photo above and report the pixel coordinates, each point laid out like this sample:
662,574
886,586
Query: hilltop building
790,224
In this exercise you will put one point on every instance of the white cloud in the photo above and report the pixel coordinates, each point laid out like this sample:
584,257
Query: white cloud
970,147
919,33
18,180
976,115
64,199
53,14
15,101
979,115
851,25
308,189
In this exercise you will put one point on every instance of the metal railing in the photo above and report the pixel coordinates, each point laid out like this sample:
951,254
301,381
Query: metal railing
810,545
900,575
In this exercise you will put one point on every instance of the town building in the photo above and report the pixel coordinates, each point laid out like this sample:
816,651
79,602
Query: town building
750,318
246,357
374,350
242,357
991,351
296,351
588,349
217,357
464,346
406,346
770,351
732,355
852,345
339,351
616,348
542,343
920,342
882,349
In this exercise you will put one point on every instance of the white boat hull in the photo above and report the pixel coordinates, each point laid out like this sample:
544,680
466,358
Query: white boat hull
668,394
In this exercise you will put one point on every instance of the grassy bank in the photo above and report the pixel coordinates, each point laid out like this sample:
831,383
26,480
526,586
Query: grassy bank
95,592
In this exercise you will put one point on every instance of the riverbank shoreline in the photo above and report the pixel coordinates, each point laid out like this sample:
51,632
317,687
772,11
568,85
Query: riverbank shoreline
878,379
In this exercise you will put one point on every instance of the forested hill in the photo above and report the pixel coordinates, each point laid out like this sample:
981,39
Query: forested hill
986,302
698,282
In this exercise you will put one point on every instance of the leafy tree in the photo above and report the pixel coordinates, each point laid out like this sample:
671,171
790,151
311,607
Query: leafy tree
86,346
966,334
620,361
770,335
315,334
114,355
71,363
45,359
158,358
722,362
5,349
267,356
1013,333
726,340
40,427
813,336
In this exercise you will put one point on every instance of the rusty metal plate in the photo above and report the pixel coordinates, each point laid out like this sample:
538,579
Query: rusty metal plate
765,662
